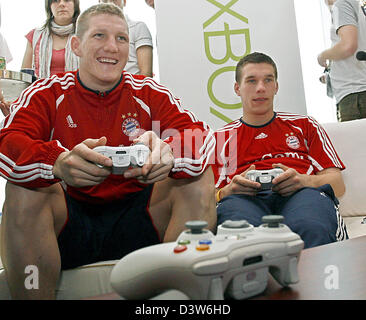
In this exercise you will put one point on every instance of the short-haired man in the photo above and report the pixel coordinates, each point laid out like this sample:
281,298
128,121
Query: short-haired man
305,193
48,138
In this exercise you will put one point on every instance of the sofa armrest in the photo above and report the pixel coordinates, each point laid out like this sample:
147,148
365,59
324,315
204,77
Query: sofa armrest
349,140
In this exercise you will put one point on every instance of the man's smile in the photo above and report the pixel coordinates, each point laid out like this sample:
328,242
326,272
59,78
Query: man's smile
107,60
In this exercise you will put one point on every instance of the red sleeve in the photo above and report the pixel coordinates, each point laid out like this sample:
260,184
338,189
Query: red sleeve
192,141
29,36
27,154
225,160
321,150
218,168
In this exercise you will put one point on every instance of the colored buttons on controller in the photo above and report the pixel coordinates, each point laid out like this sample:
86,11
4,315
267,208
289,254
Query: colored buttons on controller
205,241
180,248
184,242
202,247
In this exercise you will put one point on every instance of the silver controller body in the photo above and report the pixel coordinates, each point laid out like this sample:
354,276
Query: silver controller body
125,157
233,263
264,177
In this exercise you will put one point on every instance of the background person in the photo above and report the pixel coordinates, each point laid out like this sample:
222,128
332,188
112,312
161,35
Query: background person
140,60
48,49
150,3
47,145
305,194
347,74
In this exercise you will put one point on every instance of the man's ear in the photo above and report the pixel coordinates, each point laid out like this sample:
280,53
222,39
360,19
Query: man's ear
277,87
236,89
75,45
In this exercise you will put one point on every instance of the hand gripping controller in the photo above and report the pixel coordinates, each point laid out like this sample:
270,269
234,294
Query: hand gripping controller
234,263
264,177
125,157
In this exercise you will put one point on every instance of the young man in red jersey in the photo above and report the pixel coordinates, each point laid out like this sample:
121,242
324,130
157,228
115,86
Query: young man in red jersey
262,139
61,209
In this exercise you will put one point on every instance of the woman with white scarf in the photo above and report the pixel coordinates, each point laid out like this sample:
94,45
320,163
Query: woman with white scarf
48,49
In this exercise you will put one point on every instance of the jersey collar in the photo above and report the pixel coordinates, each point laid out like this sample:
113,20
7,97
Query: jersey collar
99,93
261,126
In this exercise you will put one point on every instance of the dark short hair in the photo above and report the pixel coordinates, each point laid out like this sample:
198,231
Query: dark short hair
255,57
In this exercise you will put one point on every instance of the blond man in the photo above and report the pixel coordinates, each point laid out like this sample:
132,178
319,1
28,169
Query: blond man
63,206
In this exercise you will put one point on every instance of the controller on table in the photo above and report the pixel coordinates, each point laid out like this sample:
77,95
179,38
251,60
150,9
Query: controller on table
264,177
125,157
234,263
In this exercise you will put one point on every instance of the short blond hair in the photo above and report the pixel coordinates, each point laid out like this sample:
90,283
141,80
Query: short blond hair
82,23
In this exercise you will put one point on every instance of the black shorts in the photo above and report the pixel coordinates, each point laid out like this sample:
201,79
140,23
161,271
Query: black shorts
95,233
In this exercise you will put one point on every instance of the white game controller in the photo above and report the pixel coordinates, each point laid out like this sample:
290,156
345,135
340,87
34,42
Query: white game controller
264,177
125,157
234,263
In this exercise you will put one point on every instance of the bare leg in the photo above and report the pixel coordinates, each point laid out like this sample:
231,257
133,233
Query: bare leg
176,201
31,221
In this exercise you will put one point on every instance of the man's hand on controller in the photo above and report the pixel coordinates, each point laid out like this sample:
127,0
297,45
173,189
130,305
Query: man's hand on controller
289,182
77,167
241,185
159,162
4,105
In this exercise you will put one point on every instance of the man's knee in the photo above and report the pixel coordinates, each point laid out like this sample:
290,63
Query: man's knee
18,201
22,205
197,197
313,232
202,191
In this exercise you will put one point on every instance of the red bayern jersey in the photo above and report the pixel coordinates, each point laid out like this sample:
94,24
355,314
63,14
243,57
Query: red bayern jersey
57,113
296,141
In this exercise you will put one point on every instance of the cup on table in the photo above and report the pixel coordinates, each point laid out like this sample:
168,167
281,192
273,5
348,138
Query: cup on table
29,71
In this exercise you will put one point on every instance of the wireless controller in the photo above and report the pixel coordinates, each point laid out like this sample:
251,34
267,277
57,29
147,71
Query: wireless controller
234,263
264,177
125,157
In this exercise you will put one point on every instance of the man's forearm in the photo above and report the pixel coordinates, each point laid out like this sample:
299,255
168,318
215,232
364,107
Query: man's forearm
345,47
337,52
334,178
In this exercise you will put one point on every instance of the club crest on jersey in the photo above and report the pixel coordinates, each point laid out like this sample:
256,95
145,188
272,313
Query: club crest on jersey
130,126
292,141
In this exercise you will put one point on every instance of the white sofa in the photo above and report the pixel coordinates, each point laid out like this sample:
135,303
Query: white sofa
349,139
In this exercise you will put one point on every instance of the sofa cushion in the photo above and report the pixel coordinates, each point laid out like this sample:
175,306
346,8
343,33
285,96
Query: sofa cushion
349,140
85,281
88,281
356,226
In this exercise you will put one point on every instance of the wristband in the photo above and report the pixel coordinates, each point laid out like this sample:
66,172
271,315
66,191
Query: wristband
218,196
